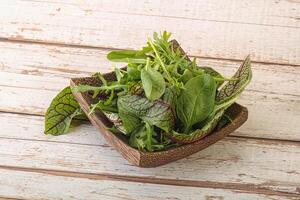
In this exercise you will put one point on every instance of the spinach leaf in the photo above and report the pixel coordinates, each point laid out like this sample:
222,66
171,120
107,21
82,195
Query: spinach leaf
225,98
60,113
134,108
131,56
197,134
186,76
153,82
197,101
216,75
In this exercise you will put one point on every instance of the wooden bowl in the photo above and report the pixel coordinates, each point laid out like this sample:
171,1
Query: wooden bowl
238,114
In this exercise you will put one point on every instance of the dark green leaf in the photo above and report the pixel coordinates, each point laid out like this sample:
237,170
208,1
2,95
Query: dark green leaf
134,108
186,76
170,97
234,88
196,102
214,74
60,113
198,133
129,119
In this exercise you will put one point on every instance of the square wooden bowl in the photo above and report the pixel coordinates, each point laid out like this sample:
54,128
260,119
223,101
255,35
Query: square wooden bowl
238,114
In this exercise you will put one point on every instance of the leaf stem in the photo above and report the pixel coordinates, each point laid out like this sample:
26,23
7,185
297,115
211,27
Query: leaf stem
160,60
225,79
85,88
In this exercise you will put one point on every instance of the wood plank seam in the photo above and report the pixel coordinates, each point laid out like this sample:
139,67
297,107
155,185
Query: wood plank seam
199,19
10,198
247,188
267,140
59,44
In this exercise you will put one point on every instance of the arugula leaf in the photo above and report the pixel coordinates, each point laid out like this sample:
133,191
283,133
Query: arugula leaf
196,102
143,138
153,82
60,113
133,109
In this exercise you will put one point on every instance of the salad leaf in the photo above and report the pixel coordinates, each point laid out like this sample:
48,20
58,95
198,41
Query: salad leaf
196,102
60,113
133,72
197,134
216,75
233,88
153,82
226,97
186,76
133,109
131,56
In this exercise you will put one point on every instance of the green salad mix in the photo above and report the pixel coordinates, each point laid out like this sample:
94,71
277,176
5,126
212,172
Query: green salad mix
160,100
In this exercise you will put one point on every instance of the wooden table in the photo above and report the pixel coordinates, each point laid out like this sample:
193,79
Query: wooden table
43,43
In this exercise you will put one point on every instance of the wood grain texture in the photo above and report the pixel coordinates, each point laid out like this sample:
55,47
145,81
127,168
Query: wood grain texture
272,13
27,185
81,165
269,165
43,70
79,24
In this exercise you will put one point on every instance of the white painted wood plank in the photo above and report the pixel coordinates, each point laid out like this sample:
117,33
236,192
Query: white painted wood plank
66,23
272,97
54,63
272,13
271,116
263,164
32,185
29,127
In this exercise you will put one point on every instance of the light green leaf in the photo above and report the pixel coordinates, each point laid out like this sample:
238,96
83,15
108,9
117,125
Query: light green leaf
133,73
129,56
233,88
60,113
153,83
